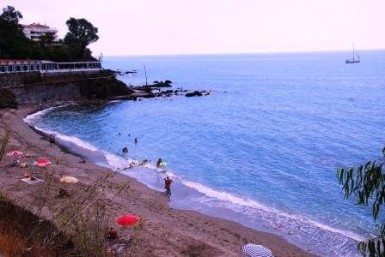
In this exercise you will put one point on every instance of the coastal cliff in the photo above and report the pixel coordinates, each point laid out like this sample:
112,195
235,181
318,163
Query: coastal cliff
35,87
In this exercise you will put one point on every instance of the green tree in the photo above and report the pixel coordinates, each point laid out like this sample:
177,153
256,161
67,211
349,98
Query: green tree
81,34
366,183
10,15
47,39
81,30
13,43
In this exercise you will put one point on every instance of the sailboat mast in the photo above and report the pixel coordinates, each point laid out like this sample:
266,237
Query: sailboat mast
353,59
145,73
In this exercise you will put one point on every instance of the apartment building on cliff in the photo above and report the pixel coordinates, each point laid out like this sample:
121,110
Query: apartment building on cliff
35,31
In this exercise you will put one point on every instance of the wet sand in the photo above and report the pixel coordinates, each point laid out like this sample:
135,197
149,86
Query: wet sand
163,231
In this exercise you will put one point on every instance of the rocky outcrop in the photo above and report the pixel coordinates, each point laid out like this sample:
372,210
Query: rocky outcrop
46,88
198,93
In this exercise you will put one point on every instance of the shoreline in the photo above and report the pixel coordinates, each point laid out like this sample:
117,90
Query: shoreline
169,231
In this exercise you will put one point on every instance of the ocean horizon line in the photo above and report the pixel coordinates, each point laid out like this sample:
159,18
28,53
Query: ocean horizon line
241,53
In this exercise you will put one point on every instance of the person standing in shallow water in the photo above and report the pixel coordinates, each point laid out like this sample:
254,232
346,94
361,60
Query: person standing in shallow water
159,162
167,185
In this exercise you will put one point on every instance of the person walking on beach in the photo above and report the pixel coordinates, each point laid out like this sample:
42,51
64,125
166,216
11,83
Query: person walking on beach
51,140
136,140
167,185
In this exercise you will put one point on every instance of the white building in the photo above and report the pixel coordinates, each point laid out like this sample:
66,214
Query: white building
17,66
35,31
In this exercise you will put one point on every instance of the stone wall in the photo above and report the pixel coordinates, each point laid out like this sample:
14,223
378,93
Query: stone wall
47,93
34,87
16,79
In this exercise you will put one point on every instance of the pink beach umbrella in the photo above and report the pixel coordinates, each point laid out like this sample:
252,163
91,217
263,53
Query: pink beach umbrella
127,220
14,153
42,162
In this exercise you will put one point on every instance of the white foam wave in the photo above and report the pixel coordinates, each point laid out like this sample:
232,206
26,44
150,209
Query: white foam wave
34,116
76,141
346,233
45,131
114,101
116,162
120,163
225,196
271,212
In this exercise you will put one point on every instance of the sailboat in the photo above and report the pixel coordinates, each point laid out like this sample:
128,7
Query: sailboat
355,58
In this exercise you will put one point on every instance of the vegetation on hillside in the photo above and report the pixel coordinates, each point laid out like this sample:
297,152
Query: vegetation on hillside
7,99
15,45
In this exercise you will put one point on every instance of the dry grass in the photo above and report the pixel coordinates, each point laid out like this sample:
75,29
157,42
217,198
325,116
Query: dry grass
24,234
3,142
78,227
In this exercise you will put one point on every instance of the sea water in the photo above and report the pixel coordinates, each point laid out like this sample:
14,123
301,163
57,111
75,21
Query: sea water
262,149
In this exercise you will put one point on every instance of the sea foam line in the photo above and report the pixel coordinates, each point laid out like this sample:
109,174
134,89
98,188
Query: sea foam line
72,139
246,202
36,115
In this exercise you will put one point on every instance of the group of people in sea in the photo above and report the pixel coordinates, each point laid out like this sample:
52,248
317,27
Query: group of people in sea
136,163
167,180
125,149
160,163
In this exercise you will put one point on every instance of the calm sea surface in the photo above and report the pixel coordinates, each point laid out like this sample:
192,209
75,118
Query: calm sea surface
262,149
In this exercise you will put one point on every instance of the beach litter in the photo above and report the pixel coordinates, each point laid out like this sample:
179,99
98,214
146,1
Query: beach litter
32,180
69,180
117,248
14,153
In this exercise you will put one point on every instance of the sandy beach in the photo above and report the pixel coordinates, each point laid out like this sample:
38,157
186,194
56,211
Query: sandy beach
163,231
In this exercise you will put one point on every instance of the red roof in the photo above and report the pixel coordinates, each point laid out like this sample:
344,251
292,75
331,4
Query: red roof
36,25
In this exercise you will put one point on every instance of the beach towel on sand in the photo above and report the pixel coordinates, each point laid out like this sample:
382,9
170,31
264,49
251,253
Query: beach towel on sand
31,182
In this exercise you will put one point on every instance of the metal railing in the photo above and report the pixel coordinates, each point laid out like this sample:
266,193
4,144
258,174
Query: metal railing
47,67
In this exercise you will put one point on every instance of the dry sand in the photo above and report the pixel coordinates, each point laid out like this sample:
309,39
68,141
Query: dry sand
163,231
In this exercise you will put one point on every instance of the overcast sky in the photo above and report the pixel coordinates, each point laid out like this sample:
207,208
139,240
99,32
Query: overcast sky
152,27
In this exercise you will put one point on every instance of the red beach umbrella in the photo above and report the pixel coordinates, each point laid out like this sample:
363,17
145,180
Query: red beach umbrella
127,220
14,153
42,162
